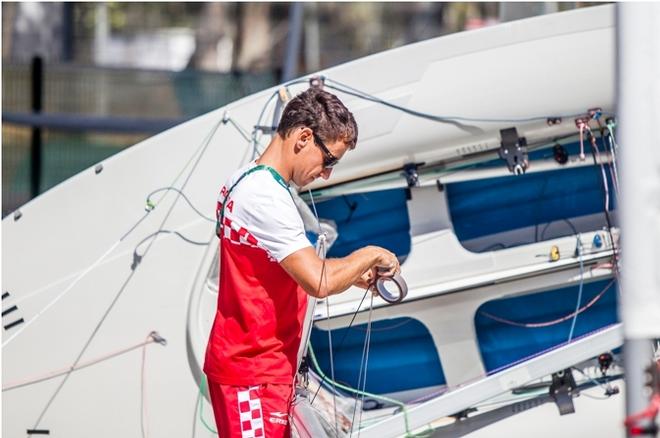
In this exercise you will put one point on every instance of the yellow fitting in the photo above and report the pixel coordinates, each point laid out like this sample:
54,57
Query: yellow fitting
554,253
284,94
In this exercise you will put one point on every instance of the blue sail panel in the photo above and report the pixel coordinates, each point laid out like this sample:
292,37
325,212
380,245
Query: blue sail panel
502,344
374,218
483,207
402,355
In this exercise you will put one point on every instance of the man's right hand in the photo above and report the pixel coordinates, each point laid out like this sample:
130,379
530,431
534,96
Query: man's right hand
386,264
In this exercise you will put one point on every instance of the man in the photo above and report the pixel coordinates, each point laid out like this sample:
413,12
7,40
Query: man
268,266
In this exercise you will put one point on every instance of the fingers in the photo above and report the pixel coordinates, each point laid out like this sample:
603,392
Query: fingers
368,279
388,264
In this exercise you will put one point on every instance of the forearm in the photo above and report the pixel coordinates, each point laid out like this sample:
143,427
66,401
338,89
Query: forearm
340,274
323,278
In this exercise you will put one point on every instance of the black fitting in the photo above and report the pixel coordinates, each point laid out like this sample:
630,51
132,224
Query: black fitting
560,154
513,150
304,365
412,177
136,261
604,361
158,338
561,391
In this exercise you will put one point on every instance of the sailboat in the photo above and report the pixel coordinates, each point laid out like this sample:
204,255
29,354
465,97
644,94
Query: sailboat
486,161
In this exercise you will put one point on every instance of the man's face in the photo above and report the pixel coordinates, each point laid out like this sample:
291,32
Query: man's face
314,156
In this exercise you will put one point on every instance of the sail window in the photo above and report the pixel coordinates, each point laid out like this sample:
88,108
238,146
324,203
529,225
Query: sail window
388,372
374,218
502,212
512,329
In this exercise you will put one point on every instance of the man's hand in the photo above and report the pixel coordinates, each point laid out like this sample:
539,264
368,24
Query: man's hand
387,265
366,280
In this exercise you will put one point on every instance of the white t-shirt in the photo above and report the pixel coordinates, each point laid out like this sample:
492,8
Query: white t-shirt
261,309
263,206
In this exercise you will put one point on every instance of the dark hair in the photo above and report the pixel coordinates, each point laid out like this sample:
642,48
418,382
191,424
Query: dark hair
323,113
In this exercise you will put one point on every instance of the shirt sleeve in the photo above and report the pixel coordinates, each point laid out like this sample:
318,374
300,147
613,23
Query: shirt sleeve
276,223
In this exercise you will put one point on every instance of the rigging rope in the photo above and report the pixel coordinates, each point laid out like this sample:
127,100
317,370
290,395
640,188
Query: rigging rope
199,153
143,395
341,343
367,342
582,126
153,337
607,388
324,378
322,253
150,205
137,258
203,384
554,321
363,361
91,267
367,336
595,153
611,163
335,85
258,126
579,297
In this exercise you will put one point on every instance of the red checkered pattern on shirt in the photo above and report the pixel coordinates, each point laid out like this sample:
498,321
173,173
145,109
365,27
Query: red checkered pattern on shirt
251,417
238,234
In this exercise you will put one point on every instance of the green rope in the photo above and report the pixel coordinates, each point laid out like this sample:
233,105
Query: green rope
368,394
202,392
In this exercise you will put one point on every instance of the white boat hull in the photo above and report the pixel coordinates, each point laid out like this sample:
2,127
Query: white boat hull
69,263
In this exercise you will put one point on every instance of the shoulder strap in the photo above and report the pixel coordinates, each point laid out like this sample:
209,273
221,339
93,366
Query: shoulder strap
273,172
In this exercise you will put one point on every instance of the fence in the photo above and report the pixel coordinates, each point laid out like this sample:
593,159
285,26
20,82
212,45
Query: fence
87,114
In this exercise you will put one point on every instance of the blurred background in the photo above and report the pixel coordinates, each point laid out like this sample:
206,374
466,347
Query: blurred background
82,81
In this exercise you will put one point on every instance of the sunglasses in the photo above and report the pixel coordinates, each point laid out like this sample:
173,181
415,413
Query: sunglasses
329,160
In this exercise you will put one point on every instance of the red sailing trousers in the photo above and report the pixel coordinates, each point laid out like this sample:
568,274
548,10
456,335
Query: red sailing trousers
260,411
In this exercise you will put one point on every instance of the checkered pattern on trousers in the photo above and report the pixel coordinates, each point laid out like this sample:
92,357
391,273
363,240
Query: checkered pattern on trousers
249,408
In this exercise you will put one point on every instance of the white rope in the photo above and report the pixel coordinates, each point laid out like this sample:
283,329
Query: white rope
112,248
143,395
53,374
579,298
324,278
201,150
332,361
64,292
366,363
613,164
602,168
363,365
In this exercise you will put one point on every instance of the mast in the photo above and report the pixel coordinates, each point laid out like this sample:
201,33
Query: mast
290,67
638,94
